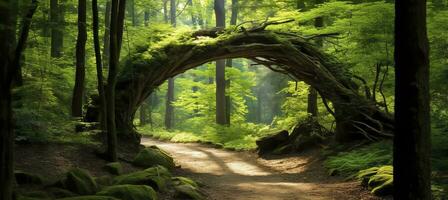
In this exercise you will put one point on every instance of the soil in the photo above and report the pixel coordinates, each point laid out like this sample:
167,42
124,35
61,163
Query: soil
225,175
230,175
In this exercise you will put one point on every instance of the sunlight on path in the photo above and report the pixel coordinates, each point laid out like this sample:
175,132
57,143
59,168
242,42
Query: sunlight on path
236,176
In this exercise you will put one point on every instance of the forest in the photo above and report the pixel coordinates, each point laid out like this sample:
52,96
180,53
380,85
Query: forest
223,99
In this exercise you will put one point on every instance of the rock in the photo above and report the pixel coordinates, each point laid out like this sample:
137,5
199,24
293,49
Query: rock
130,192
269,143
27,178
157,177
114,168
153,156
79,181
33,194
307,134
188,192
92,197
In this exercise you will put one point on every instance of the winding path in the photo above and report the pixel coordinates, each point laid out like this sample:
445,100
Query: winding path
232,175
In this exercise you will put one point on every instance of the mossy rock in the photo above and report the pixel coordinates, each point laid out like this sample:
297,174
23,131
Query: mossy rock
114,168
34,194
186,191
30,198
157,177
23,178
80,181
130,192
184,181
153,156
92,197
386,188
282,149
60,193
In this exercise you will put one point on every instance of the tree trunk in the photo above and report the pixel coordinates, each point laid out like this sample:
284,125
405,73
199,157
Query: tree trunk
169,109
106,38
147,16
412,144
229,63
78,91
143,114
99,67
312,102
9,65
57,28
131,12
116,33
220,68
165,11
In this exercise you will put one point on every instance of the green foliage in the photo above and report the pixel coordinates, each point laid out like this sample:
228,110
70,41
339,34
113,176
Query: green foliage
130,192
350,162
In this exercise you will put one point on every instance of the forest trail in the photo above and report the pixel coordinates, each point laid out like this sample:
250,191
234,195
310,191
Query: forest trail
230,175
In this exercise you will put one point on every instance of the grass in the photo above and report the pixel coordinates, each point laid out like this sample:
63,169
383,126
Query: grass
235,138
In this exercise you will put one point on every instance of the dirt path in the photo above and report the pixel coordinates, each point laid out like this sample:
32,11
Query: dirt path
244,176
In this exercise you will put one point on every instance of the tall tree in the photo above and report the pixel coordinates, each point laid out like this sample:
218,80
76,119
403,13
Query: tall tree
169,109
99,66
229,62
106,38
220,14
10,56
57,28
412,144
116,34
78,91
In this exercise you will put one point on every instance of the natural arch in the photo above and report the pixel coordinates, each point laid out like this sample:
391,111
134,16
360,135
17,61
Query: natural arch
148,68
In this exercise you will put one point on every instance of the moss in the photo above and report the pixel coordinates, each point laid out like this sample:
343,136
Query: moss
80,181
114,168
153,156
34,194
157,177
27,178
90,198
60,193
186,191
378,179
130,192
104,181
184,181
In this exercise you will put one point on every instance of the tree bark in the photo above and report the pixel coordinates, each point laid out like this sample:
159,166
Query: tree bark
106,38
99,67
57,28
165,11
10,56
116,33
146,17
220,68
169,109
229,63
78,91
412,144
312,102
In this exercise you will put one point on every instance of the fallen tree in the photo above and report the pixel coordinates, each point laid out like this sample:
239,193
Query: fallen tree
148,67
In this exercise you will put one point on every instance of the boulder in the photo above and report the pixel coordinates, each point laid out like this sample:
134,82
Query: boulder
104,181
60,193
184,181
114,168
92,197
269,143
186,191
27,178
130,192
307,134
153,156
157,177
80,181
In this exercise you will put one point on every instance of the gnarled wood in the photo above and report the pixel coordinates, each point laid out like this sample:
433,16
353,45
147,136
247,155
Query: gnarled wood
282,52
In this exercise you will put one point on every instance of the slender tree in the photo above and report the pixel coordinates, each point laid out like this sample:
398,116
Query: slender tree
169,109
412,142
78,91
220,14
57,28
116,34
99,66
106,38
229,62
10,56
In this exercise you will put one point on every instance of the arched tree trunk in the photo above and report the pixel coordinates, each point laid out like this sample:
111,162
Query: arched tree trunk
282,52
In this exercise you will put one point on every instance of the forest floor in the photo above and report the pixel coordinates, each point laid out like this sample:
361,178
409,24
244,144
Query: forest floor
225,174
245,176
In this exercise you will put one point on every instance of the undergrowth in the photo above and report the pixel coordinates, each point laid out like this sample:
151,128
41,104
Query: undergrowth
241,137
